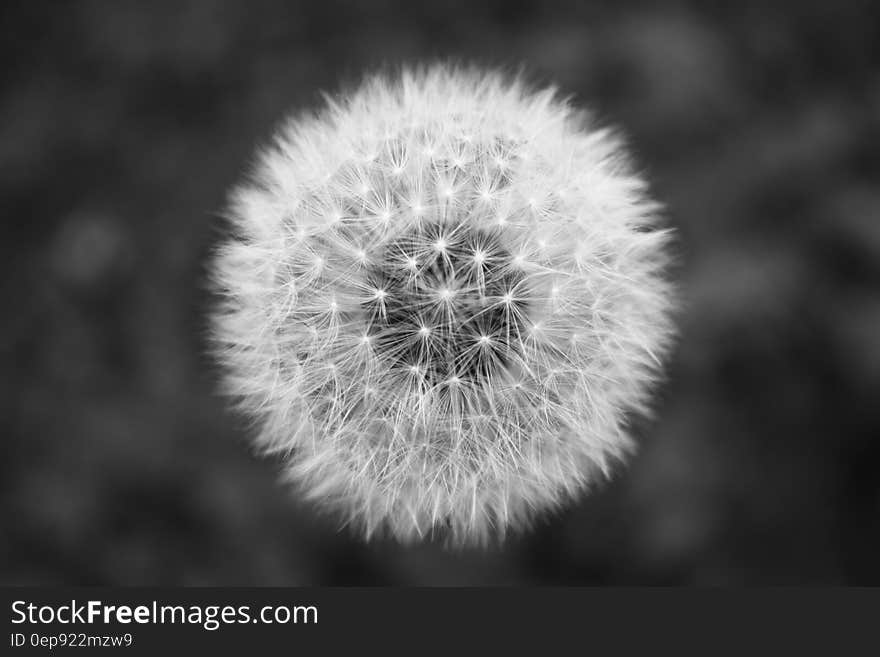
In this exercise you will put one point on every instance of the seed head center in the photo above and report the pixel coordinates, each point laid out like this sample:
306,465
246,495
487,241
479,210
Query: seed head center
441,289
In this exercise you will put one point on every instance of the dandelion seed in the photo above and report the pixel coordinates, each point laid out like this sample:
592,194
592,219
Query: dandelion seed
451,367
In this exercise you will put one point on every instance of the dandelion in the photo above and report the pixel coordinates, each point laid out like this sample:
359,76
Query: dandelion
443,300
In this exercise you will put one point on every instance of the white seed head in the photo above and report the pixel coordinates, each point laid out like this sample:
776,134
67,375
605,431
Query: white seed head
439,333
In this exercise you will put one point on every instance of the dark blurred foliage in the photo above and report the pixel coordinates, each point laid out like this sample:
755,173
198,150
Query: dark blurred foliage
123,125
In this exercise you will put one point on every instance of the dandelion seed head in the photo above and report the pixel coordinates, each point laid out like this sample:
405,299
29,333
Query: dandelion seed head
443,301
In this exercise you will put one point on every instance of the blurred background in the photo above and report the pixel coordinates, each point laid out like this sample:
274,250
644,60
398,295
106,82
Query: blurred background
123,125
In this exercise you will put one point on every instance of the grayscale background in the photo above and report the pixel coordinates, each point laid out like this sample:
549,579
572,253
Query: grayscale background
123,125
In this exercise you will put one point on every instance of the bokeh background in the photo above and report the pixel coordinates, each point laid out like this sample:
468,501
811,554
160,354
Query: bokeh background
123,125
